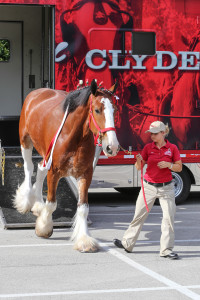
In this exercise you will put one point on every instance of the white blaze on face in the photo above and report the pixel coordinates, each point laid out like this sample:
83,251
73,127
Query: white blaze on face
111,139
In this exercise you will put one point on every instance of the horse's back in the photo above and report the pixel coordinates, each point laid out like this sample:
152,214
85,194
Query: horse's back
41,100
43,95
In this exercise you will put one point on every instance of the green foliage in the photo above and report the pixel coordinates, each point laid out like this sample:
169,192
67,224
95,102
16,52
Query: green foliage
4,50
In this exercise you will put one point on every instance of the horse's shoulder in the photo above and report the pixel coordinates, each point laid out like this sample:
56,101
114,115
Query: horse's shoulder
61,92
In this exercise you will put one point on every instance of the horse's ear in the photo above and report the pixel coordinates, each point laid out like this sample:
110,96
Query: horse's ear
93,87
114,87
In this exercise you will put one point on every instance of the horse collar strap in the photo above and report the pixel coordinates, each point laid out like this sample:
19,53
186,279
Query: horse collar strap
100,131
47,165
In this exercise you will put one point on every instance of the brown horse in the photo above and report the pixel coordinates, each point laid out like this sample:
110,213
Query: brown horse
90,111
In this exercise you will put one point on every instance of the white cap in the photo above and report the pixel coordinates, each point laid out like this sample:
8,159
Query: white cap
156,127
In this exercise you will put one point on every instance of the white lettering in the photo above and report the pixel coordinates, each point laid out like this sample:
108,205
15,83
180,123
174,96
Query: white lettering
88,59
188,57
60,47
160,60
115,60
139,60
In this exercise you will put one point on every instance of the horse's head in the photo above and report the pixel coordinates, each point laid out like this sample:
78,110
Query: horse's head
102,118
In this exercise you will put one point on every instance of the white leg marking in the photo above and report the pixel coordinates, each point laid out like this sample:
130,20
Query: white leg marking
111,139
24,199
44,223
81,236
37,190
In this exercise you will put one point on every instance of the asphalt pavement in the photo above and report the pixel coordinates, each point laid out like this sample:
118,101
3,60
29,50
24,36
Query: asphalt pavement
34,268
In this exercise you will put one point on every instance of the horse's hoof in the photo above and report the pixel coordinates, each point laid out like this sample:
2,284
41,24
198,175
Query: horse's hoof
90,250
86,245
42,235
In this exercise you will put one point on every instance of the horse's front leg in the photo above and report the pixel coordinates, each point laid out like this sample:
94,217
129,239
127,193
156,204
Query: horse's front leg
44,222
81,236
24,200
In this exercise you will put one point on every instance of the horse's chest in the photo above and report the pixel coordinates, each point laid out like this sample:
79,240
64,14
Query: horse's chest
76,166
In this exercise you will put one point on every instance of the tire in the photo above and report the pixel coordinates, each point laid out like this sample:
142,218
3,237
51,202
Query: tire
182,184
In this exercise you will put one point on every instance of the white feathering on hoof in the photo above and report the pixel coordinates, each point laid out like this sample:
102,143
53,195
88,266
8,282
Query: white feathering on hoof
83,242
24,199
37,208
86,244
44,223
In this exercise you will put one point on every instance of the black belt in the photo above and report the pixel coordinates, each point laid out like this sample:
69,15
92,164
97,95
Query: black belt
158,184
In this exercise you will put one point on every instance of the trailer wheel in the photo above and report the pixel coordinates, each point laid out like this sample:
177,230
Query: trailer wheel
182,184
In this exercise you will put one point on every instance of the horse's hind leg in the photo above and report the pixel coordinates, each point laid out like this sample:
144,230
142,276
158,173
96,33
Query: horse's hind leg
44,222
83,242
37,190
24,198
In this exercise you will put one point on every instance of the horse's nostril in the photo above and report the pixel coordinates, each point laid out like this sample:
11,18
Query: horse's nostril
108,149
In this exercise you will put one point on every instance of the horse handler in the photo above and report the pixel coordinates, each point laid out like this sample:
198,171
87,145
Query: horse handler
161,157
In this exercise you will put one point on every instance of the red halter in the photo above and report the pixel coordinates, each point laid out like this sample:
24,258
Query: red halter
96,125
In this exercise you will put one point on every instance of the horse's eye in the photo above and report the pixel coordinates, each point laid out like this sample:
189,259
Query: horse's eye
97,111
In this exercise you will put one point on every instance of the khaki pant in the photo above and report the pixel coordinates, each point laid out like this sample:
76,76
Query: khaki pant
167,203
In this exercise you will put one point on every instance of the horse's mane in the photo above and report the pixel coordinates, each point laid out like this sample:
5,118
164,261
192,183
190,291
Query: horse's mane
77,98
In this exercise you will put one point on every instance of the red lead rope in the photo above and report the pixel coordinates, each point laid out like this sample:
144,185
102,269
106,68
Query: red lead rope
49,149
145,201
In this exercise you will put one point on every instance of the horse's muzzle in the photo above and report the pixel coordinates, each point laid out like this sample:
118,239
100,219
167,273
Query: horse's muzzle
109,150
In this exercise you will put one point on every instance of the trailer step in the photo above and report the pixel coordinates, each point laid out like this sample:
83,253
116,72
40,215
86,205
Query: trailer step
66,194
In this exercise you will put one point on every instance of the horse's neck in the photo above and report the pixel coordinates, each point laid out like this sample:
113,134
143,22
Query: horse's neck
80,122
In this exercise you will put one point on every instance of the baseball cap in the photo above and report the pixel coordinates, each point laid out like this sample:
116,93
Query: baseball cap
156,127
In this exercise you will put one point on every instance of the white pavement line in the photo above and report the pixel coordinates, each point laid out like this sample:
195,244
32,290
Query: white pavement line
128,290
183,290
118,214
132,213
4,296
158,242
35,245
71,244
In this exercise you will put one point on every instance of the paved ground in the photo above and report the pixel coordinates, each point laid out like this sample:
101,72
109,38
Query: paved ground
33,268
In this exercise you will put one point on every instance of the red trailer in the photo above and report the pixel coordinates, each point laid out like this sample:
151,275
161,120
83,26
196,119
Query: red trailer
151,47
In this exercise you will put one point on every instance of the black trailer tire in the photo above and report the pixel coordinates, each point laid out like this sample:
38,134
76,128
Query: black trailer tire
182,184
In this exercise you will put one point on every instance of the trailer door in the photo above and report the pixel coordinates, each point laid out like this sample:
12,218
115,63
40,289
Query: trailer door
11,69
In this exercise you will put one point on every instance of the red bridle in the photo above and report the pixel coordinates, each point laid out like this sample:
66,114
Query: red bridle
100,131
